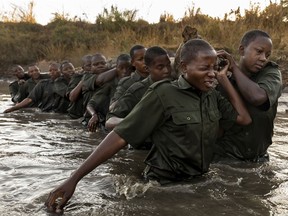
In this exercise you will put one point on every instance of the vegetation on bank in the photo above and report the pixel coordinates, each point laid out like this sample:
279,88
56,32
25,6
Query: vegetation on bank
23,41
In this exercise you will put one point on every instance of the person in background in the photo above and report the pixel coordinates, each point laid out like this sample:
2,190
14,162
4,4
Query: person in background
186,116
187,34
18,72
48,94
98,106
25,89
159,67
137,60
259,82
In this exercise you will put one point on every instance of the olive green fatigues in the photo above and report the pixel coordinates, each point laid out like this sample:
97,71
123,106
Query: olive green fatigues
25,89
130,98
251,142
51,95
75,109
89,87
125,83
101,99
14,88
183,124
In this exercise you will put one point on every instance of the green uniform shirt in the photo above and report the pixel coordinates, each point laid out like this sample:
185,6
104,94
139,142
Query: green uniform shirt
75,109
25,89
130,98
89,87
183,124
125,83
101,98
51,95
14,88
251,142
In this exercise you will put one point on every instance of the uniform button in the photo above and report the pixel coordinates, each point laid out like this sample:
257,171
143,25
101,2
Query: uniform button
247,133
188,118
249,149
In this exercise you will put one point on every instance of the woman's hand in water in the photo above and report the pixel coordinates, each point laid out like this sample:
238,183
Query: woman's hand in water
59,197
9,110
92,124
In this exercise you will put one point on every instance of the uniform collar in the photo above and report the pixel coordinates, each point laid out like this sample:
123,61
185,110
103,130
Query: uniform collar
183,84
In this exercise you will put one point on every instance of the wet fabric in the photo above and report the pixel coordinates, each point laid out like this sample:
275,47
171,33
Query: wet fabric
25,89
51,95
183,124
14,88
252,141
130,98
125,83
75,109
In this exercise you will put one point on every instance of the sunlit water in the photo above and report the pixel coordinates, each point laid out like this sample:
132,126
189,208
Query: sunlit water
39,150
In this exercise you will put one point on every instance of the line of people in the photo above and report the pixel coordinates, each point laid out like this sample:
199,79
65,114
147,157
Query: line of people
187,123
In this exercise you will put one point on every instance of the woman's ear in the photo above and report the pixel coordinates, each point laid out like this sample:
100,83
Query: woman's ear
241,50
183,67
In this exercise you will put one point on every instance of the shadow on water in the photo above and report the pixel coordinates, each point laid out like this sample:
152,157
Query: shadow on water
39,150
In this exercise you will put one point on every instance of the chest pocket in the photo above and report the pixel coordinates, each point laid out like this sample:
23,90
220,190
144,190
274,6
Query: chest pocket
183,118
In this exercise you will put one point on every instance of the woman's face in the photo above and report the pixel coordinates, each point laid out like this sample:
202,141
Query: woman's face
200,72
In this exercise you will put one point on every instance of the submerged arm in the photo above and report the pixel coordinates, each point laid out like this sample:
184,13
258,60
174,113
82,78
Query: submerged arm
25,103
111,144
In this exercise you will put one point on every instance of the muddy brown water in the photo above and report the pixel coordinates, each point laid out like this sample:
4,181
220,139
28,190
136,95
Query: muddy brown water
39,150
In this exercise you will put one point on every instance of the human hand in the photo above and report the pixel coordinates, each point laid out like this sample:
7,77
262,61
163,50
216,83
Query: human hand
225,55
92,124
21,81
59,197
11,109
223,70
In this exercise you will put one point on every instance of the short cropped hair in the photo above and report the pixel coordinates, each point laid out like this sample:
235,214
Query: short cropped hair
98,55
153,52
192,47
134,48
123,57
63,63
14,67
86,57
251,35
55,63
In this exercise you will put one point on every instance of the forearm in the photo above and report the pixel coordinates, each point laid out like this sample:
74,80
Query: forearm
91,110
105,77
112,122
111,144
250,90
243,117
74,94
25,103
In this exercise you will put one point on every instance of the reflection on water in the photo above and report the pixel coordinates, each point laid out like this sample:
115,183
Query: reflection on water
39,150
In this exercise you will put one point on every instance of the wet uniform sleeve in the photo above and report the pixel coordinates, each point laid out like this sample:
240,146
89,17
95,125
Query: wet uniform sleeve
271,82
100,98
36,94
124,105
145,117
228,113
120,90
89,82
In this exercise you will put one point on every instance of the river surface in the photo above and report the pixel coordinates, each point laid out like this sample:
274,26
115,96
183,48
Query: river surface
39,150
